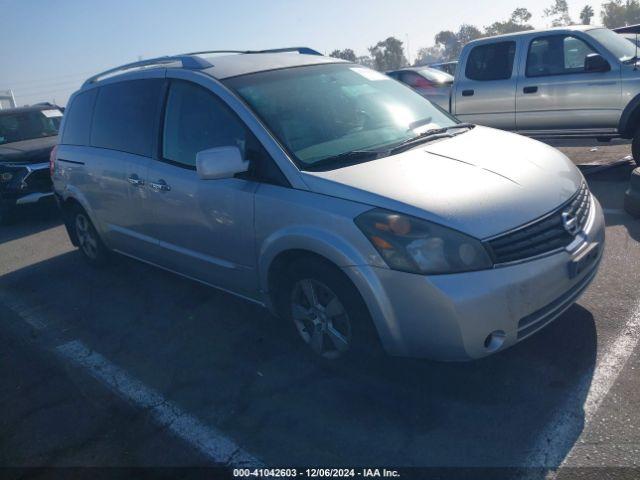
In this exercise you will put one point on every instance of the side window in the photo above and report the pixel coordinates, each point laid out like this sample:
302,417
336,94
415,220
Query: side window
556,55
77,124
126,114
195,120
493,61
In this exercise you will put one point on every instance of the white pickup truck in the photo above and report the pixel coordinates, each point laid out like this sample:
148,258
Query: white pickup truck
578,81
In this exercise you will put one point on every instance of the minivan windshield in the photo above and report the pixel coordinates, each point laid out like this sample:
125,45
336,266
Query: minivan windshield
341,112
27,125
619,46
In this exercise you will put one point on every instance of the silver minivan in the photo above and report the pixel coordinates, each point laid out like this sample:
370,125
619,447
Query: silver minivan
332,194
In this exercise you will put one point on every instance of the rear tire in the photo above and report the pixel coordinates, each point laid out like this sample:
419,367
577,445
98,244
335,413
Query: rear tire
635,147
327,311
91,246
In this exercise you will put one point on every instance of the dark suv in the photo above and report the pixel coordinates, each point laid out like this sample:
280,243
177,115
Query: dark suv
27,136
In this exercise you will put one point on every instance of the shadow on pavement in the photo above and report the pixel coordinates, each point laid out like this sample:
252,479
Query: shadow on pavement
30,220
237,368
609,186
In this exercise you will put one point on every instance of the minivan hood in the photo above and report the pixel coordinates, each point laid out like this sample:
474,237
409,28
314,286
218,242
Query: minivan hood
482,182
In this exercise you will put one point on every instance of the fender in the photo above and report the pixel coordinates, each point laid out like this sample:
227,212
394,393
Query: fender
629,118
312,239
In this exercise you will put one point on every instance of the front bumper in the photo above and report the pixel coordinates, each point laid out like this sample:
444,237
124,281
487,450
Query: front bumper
30,184
449,317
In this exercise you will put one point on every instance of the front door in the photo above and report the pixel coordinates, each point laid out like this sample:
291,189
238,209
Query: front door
205,228
555,92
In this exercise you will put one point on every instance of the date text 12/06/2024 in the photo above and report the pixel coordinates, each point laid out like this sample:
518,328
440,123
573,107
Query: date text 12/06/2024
315,473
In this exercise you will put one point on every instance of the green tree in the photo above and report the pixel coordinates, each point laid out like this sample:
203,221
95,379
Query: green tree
451,43
517,22
366,61
428,55
618,13
346,54
388,54
559,13
586,14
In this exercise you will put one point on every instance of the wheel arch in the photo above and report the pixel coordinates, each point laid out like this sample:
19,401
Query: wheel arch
67,202
630,118
284,247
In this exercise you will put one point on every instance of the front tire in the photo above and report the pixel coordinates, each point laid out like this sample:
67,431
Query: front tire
327,311
91,246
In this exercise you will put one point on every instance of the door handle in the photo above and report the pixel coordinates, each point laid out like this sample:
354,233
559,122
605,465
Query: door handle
468,93
160,186
533,89
135,180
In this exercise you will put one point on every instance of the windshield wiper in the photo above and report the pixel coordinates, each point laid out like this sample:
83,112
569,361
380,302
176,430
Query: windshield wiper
631,60
426,136
344,159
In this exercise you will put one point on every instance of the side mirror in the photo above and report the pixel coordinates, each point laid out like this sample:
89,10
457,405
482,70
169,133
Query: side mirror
595,63
220,162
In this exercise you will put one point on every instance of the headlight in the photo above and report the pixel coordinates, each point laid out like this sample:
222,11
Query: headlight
6,176
418,246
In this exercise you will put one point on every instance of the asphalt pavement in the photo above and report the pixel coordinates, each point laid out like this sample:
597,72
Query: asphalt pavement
133,366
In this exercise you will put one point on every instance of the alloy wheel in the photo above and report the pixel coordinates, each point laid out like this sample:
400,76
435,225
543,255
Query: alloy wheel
87,236
320,318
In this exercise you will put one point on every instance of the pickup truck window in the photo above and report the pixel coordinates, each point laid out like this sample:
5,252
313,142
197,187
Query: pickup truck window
556,55
492,61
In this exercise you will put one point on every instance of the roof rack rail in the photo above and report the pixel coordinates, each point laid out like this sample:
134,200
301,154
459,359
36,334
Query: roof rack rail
301,50
191,60
187,61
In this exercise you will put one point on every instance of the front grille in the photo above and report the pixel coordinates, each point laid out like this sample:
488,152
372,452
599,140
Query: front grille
39,181
545,234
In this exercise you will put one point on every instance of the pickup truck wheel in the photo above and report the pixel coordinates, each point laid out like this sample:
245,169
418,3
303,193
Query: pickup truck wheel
635,147
91,246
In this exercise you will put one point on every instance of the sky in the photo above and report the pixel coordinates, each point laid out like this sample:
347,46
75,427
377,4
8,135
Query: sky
50,47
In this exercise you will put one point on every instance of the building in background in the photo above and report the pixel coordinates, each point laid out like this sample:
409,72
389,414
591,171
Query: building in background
7,100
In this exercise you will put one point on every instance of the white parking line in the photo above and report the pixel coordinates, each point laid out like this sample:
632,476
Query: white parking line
556,442
29,314
209,441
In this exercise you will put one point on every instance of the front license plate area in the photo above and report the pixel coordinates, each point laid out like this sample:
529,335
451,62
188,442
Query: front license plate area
581,262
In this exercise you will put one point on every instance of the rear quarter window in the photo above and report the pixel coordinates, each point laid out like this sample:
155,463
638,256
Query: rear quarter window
77,124
126,116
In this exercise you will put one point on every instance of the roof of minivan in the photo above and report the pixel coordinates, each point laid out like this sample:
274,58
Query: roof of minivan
226,66
567,28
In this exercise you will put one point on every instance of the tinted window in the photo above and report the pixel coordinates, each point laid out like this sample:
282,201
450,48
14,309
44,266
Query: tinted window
491,62
125,116
556,55
77,124
27,125
196,120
